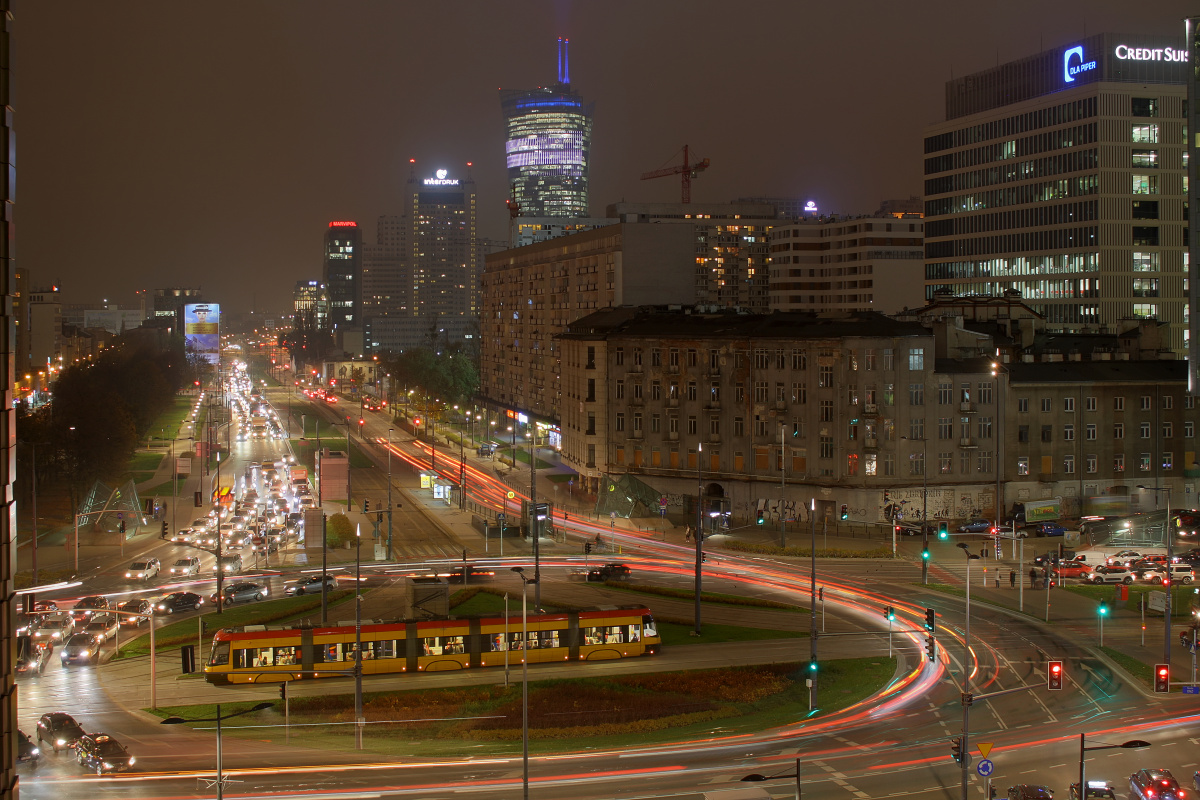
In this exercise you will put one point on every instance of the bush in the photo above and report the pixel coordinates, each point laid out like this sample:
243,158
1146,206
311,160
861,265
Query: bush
338,529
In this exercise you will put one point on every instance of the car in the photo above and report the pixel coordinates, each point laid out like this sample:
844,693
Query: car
1112,574
1154,784
1052,556
88,606
142,608
103,753
608,572
26,749
185,567
45,605
144,570
54,628
26,624
102,627
179,601
485,449
34,657
1049,529
242,591
267,547
228,564
1180,573
1123,557
81,648
59,729
1073,569
1102,789
310,584
1148,562
1188,522
1027,791
976,526
201,524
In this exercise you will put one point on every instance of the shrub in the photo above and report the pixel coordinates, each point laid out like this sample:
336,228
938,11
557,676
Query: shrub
338,529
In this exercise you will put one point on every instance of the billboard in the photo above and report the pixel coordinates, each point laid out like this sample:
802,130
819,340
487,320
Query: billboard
201,330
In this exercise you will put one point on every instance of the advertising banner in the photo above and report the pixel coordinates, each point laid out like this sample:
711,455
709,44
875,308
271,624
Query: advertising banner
201,330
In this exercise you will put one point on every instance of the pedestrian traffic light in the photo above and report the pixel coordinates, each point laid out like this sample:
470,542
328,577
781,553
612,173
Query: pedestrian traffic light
821,594
1103,609
703,558
930,619
931,648
1162,678
1054,676
121,526
956,749
845,511
760,517
925,554
943,530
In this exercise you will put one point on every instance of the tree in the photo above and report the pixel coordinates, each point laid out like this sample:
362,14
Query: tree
338,529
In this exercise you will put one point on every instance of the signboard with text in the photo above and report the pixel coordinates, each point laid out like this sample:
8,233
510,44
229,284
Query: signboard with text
202,330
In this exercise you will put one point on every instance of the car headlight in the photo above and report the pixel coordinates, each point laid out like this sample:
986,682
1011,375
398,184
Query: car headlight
127,575
132,761
61,742
35,752
107,765
84,653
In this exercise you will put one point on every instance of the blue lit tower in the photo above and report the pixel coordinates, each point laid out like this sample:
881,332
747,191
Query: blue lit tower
549,138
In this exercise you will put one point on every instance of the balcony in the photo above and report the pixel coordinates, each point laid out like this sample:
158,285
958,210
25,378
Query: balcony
672,436
637,401
635,434
870,408
966,406
715,438
967,443
713,405
870,444
671,369
673,402
635,368
781,405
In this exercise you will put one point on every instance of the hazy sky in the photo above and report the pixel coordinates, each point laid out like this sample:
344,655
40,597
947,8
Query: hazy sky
167,143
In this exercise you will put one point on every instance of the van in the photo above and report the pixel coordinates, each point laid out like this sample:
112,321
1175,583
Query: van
485,449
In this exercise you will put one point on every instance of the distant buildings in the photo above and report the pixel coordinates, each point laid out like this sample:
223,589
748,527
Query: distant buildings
548,146
343,275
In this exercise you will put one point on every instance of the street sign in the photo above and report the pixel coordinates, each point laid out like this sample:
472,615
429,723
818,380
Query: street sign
120,515
985,768
984,748
1191,690
511,495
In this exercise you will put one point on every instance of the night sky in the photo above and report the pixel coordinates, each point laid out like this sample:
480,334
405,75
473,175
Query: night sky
167,143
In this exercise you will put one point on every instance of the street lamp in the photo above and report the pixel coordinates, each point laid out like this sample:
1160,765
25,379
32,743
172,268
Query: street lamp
390,432
358,698
924,508
1133,744
1169,535
997,368
966,725
524,679
757,777
220,782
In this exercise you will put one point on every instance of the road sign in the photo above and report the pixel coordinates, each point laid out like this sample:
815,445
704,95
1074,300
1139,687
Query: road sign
1191,690
511,495
985,768
120,515
984,748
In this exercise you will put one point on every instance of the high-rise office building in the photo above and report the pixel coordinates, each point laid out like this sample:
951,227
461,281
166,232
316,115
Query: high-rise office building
343,275
547,147
1062,176
387,288
310,303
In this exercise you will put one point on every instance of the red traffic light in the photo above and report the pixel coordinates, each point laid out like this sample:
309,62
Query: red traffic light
1054,676
1162,678
362,421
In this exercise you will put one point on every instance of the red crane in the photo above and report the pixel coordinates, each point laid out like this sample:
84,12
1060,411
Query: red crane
686,169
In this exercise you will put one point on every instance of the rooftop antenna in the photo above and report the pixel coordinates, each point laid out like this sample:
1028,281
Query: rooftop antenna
564,69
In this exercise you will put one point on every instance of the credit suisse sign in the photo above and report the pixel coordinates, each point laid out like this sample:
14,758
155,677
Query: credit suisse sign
1171,54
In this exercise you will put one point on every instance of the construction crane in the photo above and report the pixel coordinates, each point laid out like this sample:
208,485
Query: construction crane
686,169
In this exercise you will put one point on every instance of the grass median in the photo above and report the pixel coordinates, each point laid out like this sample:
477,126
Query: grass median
566,715
1181,597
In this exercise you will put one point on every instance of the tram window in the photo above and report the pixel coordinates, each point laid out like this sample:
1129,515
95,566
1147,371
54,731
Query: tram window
220,655
648,626
634,636
593,636
331,652
496,643
546,639
260,657
385,649
240,659
285,656
514,641
614,634
453,645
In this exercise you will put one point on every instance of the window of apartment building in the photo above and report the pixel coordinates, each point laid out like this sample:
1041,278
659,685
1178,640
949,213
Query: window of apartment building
889,464
714,391
673,357
1168,401
1144,462
1146,403
1144,133
945,428
714,426
985,392
673,424
673,391
760,391
945,394
826,411
825,376
1023,465
739,426
916,359
1047,405
985,427
869,395
655,423
637,422
1144,183
1092,463
1118,404
1069,464
1090,432
655,357
1047,433
1145,209
800,392
693,357
964,462
870,464
852,432
1069,404
889,359
637,391
691,390
637,356
780,359
916,464
851,465
1168,460
1119,462
656,390
714,359
591,424
964,393
945,463
1143,157
826,447
1068,433
916,428
1145,261
889,429
591,390
1189,430
1145,236
780,392
852,394
739,393
762,359
916,394
620,423
619,390
869,360
591,358
799,359
853,360
1145,430
1189,402
1023,433
889,394
1144,106
984,462
1118,430
1168,430
692,427
964,427
619,356
1089,403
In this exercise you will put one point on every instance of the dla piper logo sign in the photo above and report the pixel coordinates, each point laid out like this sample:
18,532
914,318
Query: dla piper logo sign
1073,64
1126,53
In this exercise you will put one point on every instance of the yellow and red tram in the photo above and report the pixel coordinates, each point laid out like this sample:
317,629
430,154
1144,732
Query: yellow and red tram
262,654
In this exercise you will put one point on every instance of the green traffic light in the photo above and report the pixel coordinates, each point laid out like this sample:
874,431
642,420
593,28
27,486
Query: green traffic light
925,554
812,666
1103,610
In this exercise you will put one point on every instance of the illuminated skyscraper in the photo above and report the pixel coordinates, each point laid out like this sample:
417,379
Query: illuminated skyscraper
343,274
548,142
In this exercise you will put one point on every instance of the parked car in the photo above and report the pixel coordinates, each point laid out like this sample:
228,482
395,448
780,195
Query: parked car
59,729
243,591
1113,574
88,606
79,649
186,567
1048,529
1154,784
102,627
179,601
310,584
976,526
103,753
141,607
144,570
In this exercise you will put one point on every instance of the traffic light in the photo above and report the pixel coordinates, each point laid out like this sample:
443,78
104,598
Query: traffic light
956,749
845,511
760,517
943,530
930,619
197,500
925,554
931,648
821,594
1054,676
361,422
587,547
812,667
1103,609
889,614
165,530
366,506
283,691
121,526
703,558
417,422
1162,678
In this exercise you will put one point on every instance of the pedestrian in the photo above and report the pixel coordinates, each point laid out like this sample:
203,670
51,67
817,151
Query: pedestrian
687,534
1033,577
1012,579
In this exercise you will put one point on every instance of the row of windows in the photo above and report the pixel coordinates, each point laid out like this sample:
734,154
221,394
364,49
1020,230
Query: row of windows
1145,463
1145,403
1078,161
779,358
1013,148
1009,126
1092,430
1056,239
1061,214
1013,196
1058,264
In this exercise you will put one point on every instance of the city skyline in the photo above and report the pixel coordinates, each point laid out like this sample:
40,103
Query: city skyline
216,158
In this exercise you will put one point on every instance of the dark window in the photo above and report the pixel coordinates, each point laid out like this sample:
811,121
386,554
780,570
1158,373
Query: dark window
1145,107
1145,236
1023,433
1145,209
1047,433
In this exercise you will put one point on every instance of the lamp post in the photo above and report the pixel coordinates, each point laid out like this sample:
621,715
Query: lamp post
324,543
358,698
389,546
1169,535
782,488
966,706
699,532
924,507
757,777
1130,745
534,527
524,679
220,781
996,370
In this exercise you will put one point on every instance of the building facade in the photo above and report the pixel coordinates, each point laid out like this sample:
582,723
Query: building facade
1061,176
547,146
343,275
848,264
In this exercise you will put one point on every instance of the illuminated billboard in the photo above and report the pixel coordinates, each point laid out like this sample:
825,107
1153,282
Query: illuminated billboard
201,330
